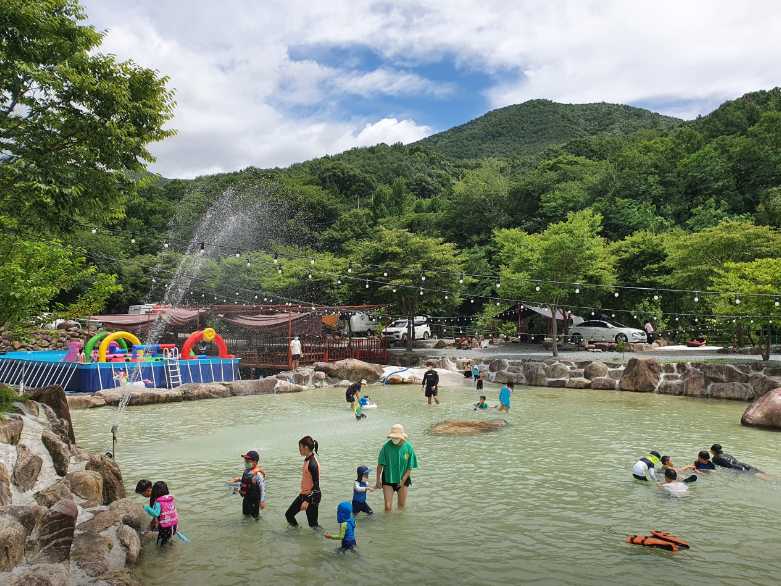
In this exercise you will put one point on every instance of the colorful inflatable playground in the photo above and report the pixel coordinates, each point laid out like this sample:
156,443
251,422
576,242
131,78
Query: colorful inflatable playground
112,359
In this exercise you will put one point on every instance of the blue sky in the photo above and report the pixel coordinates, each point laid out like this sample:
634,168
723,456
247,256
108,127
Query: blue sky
275,82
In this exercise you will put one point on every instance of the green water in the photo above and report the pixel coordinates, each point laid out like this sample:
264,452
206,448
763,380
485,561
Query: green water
547,500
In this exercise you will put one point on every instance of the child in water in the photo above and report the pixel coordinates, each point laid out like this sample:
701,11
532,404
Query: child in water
358,411
344,516
359,492
253,485
144,488
162,506
671,483
504,397
481,404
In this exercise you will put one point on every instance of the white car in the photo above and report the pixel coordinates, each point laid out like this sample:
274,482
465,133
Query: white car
397,331
597,330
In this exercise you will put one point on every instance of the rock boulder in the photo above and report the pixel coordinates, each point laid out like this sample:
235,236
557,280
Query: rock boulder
12,538
54,397
640,375
85,401
5,486
263,386
88,484
604,383
498,365
578,383
765,412
557,370
196,391
10,430
113,487
351,369
129,538
130,512
53,493
734,390
55,533
41,575
595,369
59,451
26,469
534,372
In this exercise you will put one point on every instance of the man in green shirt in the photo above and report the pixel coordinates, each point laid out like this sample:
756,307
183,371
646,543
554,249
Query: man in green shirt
394,465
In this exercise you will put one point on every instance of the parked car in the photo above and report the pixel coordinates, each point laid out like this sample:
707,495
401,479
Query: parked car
361,324
597,330
398,331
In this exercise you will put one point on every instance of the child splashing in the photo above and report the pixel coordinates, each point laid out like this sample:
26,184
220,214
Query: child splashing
344,516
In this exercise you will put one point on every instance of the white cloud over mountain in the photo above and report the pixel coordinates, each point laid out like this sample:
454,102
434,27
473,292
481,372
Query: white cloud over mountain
242,100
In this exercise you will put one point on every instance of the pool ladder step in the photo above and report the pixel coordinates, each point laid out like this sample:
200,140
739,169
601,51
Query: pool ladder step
172,373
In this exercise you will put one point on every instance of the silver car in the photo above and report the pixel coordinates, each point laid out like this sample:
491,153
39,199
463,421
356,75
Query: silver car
597,330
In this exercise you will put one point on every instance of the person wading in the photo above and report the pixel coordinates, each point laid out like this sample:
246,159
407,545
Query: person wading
431,385
308,499
394,466
295,351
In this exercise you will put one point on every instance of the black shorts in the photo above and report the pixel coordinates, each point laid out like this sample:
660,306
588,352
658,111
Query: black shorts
636,477
431,391
396,485
296,357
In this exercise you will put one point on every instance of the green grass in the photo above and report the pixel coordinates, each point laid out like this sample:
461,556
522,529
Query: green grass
7,397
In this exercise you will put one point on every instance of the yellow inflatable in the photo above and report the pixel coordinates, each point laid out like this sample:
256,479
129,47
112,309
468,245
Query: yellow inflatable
113,337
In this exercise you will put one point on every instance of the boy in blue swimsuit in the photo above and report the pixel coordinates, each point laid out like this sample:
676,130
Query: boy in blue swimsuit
359,492
344,516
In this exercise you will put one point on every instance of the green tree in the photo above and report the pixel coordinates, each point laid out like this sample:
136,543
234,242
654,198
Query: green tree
406,258
756,284
542,266
74,123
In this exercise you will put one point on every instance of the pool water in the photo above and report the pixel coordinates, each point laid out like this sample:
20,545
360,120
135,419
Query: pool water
548,499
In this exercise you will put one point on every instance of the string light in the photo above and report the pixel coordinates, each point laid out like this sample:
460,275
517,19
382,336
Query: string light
537,288
165,244
421,291
238,253
385,273
367,283
737,300
312,262
132,241
615,294
275,258
422,277
350,268
461,279
696,298
577,289
248,264
279,269
656,296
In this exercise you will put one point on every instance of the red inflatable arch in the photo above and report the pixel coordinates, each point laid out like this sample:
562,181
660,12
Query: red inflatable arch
208,335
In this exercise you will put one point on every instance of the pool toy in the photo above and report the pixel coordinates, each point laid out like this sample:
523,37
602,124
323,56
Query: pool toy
74,348
115,336
90,345
207,335
659,539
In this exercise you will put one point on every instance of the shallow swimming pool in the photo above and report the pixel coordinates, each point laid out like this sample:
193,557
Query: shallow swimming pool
547,500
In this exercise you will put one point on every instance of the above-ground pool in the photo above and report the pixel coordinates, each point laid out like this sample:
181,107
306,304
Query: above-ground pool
547,500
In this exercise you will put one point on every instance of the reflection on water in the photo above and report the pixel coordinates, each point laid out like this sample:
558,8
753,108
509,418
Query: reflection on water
549,499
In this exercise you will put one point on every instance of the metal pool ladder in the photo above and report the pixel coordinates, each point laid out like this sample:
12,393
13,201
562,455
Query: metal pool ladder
172,372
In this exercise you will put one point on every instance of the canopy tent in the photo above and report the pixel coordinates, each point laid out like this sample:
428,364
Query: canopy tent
299,324
174,318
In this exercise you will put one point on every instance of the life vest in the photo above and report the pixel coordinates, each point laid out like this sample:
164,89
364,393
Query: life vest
660,539
651,460
248,486
307,482
168,515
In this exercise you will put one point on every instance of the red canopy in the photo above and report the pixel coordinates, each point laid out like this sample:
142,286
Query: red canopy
172,317
300,323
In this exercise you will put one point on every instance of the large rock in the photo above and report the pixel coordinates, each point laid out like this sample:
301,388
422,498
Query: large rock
604,383
54,397
197,391
85,401
10,430
498,365
557,370
765,412
26,469
53,493
263,386
91,553
284,386
129,538
510,377
59,451
12,539
534,373
558,383
351,369
595,369
724,373
693,381
88,484
113,487
578,383
467,427
640,375
761,383
55,533
5,486
735,391
28,515
130,512
41,575
141,396
102,520
671,387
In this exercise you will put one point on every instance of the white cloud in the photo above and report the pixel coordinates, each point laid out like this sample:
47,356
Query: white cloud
236,83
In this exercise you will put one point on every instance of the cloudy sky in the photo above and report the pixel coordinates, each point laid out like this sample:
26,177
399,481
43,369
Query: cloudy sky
268,83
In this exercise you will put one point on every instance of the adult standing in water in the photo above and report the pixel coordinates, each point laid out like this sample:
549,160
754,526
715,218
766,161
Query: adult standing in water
394,466
431,384
295,351
308,499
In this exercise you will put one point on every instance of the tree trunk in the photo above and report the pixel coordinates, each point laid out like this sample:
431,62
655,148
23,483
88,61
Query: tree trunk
766,349
410,331
554,331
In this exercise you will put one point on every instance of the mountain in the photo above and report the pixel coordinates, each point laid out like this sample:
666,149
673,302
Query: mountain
532,126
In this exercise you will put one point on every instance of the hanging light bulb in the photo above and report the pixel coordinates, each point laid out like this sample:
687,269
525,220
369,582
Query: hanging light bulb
154,280
592,313
577,289
256,296
656,296
165,244
776,302
132,241
697,297
275,258
446,297
461,279
367,283
498,285
350,268
338,281
421,292
312,262
309,276
615,294
676,318
422,277
612,315
237,293
248,264
385,273
471,301
394,289
238,253
737,300
279,269
497,303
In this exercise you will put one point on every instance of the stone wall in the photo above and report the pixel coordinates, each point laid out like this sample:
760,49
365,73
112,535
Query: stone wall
56,339
64,518
741,382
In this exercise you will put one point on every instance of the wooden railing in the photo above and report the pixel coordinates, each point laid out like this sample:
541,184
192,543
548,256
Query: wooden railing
273,352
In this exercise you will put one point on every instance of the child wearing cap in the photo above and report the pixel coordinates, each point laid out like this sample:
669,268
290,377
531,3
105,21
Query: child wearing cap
253,485
359,492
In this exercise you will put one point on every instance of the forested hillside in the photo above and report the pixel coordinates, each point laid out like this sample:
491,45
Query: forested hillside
529,128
